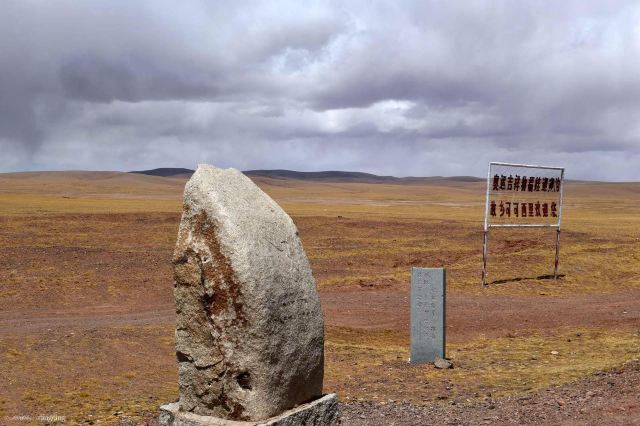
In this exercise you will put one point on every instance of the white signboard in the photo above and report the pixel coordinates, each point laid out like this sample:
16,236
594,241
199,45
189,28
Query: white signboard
520,195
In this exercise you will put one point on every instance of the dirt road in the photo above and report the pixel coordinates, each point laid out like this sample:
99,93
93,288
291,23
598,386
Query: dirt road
468,316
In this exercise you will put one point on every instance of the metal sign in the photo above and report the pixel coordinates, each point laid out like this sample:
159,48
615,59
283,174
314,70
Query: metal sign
520,195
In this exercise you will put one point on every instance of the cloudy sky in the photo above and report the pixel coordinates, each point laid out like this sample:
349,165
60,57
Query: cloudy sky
401,87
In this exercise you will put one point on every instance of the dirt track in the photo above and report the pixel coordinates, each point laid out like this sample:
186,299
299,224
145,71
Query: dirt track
467,316
37,321
470,316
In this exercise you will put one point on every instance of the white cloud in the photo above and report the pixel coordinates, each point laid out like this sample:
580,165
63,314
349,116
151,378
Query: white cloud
394,88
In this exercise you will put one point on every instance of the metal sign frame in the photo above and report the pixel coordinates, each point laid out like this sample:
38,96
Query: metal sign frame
488,225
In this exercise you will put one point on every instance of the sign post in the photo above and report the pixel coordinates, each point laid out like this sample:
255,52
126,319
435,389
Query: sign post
521,195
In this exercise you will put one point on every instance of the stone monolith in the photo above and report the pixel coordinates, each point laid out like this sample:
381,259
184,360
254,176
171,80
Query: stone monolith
249,333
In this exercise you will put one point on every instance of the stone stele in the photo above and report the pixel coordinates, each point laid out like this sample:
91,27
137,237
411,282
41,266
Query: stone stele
249,332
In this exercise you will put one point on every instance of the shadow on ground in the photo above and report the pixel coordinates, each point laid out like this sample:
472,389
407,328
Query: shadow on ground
516,279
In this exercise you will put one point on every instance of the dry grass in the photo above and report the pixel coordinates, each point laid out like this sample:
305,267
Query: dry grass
382,231
373,365
81,374
102,242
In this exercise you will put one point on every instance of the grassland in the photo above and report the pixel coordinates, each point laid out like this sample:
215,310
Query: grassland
86,323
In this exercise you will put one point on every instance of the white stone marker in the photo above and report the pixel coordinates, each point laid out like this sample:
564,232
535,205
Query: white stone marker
428,293
249,328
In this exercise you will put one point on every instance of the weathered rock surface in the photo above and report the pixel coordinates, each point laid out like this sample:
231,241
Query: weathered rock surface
249,333
442,363
320,412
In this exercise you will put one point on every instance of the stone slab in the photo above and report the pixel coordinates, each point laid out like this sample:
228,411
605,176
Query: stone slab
428,301
321,412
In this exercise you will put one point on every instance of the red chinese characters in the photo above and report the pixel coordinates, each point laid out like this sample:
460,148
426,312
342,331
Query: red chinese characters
515,199
525,183
524,209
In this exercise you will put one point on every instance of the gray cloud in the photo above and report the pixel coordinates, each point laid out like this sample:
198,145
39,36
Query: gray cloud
404,88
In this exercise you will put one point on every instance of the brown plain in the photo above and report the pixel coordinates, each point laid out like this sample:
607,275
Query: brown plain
86,303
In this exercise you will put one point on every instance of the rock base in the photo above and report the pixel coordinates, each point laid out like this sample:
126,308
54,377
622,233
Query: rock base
320,412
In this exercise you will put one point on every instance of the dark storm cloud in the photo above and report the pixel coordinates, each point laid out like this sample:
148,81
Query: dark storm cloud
420,88
96,79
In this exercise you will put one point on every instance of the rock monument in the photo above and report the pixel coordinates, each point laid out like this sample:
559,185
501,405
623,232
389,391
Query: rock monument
249,332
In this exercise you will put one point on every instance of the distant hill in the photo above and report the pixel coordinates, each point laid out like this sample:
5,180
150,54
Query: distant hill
165,172
338,176
326,176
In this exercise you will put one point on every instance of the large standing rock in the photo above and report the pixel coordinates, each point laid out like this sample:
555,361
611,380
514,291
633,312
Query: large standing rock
249,334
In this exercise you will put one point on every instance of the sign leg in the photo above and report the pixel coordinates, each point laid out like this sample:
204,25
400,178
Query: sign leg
555,269
484,258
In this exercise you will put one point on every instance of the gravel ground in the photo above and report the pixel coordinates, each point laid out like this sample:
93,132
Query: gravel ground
611,397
